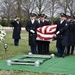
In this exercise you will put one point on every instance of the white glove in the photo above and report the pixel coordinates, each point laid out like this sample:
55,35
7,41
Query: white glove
32,31
57,32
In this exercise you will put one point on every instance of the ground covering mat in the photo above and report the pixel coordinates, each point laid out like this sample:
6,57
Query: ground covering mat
55,65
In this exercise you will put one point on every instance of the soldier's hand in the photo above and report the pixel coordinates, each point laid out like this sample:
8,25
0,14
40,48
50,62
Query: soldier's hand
55,37
57,32
32,31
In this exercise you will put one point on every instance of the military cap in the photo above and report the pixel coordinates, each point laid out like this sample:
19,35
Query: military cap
38,16
42,15
68,16
45,16
63,15
32,14
17,18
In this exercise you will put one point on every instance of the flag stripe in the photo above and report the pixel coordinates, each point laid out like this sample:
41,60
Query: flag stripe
46,33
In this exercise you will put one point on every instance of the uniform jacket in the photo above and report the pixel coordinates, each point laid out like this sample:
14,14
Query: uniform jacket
62,38
70,34
73,32
16,30
45,23
32,36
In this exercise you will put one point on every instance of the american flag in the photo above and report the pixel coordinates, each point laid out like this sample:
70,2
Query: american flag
46,33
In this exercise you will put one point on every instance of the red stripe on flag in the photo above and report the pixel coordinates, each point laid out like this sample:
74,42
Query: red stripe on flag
45,38
46,33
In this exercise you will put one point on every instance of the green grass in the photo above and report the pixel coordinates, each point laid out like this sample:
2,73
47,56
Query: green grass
13,51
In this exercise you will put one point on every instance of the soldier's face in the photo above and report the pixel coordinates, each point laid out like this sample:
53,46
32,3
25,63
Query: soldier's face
63,18
42,18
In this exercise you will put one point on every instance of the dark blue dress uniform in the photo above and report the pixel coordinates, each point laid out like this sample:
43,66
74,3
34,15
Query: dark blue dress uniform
65,37
73,36
32,36
73,46
70,38
39,42
59,43
45,43
16,31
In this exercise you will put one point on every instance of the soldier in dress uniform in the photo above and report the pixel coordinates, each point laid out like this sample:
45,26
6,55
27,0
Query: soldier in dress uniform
70,34
31,27
45,44
61,37
39,42
17,30
73,28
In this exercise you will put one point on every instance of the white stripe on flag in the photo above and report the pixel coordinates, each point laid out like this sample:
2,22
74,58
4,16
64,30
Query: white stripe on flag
46,33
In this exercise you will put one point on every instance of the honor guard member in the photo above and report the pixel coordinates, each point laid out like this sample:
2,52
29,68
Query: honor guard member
61,39
17,30
45,44
31,27
39,42
67,51
73,28
70,34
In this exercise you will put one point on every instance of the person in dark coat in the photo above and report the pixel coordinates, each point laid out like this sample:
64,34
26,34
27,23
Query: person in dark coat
73,35
73,46
31,27
16,31
39,42
61,38
70,34
45,44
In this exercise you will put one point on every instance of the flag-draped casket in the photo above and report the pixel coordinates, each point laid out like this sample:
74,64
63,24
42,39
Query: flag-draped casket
46,33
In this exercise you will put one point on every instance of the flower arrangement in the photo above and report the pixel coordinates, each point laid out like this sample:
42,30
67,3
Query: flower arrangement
2,33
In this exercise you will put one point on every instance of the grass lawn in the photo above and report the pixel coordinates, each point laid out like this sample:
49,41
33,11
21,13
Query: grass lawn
23,48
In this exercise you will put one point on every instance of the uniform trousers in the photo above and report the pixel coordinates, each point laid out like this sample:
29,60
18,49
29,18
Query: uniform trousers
40,48
33,49
68,49
60,51
16,42
72,50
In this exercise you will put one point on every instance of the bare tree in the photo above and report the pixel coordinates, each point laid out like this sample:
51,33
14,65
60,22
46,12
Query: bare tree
6,8
27,7
18,8
71,6
63,5
53,8
22,8
42,6
68,6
